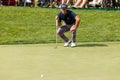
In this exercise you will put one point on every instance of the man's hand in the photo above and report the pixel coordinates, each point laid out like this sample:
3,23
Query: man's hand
56,17
73,28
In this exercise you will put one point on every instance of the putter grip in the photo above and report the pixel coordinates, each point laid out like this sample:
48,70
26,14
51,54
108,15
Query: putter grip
56,22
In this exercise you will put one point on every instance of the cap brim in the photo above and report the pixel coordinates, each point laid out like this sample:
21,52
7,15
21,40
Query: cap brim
63,8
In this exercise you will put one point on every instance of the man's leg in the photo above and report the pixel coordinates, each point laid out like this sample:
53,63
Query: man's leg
73,44
74,36
61,32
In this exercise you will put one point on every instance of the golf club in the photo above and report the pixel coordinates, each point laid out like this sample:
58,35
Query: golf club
56,34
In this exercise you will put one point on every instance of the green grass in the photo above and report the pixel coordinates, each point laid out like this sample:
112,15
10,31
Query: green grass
23,25
88,61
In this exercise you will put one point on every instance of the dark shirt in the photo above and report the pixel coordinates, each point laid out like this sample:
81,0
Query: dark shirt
68,18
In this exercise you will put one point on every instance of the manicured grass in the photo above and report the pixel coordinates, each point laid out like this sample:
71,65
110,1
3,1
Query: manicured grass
37,25
88,61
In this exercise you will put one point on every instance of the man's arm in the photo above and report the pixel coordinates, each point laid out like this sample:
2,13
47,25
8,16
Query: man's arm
58,23
76,23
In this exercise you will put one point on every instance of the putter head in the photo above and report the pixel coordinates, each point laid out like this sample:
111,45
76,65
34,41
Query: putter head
55,47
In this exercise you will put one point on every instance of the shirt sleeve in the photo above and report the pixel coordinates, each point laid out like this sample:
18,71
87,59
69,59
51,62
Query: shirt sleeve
73,14
59,17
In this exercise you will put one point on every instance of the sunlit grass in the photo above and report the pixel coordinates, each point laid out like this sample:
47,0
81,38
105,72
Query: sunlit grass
37,25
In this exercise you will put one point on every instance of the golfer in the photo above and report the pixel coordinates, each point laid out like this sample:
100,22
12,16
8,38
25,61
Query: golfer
71,23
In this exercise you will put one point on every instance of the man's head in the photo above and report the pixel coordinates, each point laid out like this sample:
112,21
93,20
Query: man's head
63,8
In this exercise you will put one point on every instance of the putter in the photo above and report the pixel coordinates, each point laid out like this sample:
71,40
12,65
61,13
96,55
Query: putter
56,34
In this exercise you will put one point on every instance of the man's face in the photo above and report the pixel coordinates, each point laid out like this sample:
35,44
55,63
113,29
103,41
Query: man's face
64,11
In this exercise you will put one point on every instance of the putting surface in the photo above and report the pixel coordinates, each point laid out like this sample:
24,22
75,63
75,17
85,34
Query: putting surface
88,61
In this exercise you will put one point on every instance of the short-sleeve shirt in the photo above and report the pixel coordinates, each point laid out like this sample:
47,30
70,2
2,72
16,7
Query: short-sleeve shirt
68,18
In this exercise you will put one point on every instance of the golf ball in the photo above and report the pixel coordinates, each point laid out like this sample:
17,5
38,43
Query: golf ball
42,75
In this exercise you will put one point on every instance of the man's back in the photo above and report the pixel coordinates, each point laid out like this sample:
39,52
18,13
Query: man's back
68,18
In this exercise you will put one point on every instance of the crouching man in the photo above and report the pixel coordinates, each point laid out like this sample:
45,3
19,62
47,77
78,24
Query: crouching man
71,23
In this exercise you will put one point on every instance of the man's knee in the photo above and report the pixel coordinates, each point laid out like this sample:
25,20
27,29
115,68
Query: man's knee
61,30
74,32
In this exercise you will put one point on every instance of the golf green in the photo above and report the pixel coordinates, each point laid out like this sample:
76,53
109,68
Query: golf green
87,61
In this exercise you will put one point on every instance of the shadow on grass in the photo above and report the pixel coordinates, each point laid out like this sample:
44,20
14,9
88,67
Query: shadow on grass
21,42
92,45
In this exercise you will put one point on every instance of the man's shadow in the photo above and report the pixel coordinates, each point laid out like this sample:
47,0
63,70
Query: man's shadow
92,45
